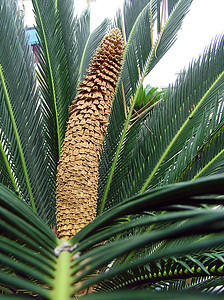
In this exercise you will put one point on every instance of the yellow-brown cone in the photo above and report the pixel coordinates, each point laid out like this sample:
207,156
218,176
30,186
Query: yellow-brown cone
77,176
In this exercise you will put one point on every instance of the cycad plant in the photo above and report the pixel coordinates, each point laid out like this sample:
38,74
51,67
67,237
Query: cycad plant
139,199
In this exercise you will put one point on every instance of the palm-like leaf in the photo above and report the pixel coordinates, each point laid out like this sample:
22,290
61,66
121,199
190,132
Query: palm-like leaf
142,295
118,248
178,129
53,72
27,245
28,250
23,163
92,41
117,120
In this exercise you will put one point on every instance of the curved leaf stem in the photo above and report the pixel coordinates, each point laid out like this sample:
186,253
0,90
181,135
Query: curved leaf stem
153,51
17,137
126,123
8,168
200,151
209,164
82,59
51,78
180,132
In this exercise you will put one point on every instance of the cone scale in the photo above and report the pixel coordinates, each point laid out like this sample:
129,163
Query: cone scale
77,174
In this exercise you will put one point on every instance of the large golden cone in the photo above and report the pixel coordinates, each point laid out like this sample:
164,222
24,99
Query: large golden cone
77,176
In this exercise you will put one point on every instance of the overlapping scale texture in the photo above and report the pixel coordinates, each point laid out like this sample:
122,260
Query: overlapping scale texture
77,176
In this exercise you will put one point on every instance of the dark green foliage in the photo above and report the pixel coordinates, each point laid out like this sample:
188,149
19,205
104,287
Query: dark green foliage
21,117
130,69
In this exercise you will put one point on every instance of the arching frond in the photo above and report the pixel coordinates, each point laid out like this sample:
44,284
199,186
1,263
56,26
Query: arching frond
167,261
145,59
26,247
23,163
181,124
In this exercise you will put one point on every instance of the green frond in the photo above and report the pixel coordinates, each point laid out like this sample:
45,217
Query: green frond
82,33
23,160
60,71
26,247
182,120
132,85
80,43
197,222
205,161
159,198
68,27
199,266
200,163
209,285
6,176
53,72
118,115
92,42
143,295
26,238
131,10
170,267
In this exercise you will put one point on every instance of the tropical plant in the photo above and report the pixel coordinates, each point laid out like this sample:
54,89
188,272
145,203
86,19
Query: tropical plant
159,227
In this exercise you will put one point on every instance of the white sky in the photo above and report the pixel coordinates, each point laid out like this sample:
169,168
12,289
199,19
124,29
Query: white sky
203,22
